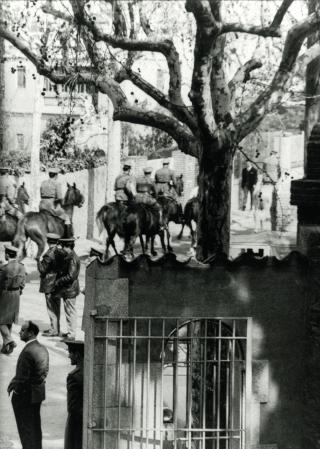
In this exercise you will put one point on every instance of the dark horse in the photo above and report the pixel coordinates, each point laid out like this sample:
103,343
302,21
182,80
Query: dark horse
191,211
129,222
36,225
171,208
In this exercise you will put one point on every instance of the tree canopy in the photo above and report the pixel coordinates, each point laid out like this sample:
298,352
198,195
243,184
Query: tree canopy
210,50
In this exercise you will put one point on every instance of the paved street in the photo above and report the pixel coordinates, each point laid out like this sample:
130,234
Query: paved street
33,307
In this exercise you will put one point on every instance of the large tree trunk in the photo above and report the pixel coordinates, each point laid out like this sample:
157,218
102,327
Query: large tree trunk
215,172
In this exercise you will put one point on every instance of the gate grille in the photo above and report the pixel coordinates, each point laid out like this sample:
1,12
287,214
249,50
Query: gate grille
168,383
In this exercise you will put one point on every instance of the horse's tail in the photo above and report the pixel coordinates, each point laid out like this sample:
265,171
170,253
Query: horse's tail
100,220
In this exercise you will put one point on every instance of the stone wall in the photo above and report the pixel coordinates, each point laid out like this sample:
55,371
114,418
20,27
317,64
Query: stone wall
279,296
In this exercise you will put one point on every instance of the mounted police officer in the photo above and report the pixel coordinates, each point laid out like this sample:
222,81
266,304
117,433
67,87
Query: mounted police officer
125,185
51,199
146,191
165,180
7,193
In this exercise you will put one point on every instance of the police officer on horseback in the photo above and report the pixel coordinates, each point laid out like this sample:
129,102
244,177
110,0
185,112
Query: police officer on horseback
51,199
146,191
165,181
125,185
7,193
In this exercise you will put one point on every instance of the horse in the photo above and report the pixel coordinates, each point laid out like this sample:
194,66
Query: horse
129,222
191,212
22,198
36,225
73,197
171,208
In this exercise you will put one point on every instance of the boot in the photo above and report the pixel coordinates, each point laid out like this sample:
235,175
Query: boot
68,231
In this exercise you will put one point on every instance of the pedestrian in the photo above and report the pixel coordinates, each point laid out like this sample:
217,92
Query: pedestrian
48,268
73,431
12,282
28,387
67,284
248,181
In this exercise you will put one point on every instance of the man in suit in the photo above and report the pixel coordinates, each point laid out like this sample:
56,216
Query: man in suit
12,282
67,284
48,267
248,181
73,432
28,387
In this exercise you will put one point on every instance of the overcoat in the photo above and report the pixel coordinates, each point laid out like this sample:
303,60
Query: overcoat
73,432
12,282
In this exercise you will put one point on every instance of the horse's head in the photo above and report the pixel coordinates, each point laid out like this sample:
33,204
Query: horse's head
179,185
73,196
22,194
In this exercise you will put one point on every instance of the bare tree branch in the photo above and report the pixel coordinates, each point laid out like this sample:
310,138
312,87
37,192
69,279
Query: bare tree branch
242,76
249,120
47,8
184,138
271,30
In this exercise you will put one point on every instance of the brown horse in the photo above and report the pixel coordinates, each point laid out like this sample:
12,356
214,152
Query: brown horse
129,222
191,211
36,225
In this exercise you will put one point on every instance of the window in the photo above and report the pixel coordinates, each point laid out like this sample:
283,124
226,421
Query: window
171,383
21,73
20,142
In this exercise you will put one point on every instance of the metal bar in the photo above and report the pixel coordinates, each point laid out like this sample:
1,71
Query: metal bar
161,385
233,353
204,383
125,318
228,395
145,337
148,384
248,386
219,386
190,367
119,384
134,356
105,368
182,429
175,382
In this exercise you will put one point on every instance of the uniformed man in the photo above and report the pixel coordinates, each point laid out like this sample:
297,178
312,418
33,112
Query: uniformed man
51,199
12,282
67,284
7,193
48,268
146,191
125,185
165,180
73,431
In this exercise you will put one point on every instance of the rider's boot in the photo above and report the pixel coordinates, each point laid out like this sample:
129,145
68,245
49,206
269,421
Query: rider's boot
68,231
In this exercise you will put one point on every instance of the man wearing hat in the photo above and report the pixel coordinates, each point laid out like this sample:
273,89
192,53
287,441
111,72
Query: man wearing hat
67,284
125,185
7,192
165,180
146,191
73,431
48,268
12,282
51,199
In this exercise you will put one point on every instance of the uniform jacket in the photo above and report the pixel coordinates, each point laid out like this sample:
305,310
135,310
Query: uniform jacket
67,282
31,372
164,178
48,268
12,282
124,187
7,188
73,433
249,178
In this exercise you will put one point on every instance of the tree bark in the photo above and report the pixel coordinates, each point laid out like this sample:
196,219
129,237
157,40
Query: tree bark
215,173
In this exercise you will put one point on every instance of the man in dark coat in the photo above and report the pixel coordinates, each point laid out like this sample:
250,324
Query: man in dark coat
73,432
12,282
165,180
28,387
248,181
67,284
48,267
125,185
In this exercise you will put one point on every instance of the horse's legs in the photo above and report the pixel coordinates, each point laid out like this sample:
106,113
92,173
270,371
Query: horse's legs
168,239
162,240
153,251
181,232
110,241
142,244
39,239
